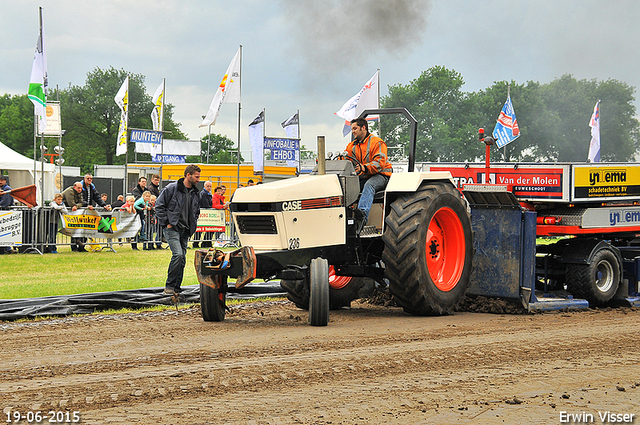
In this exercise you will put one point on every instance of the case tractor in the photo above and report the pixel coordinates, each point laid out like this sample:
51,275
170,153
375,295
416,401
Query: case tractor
303,231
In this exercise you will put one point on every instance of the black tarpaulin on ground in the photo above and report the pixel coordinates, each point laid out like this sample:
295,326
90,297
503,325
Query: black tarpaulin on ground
65,305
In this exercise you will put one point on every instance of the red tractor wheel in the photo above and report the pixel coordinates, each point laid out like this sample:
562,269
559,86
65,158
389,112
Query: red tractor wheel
428,249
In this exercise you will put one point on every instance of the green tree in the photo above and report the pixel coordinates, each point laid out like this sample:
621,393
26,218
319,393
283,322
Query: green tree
436,100
91,117
16,123
218,149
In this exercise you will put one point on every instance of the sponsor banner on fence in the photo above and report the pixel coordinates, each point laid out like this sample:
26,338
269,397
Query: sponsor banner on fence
108,225
10,228
211,220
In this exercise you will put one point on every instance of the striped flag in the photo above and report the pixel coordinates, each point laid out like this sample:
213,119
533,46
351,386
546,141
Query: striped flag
38,82
122,100
506,129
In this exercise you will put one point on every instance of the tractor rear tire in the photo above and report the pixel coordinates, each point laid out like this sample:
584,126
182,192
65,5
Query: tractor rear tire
319,292
596,282
428,249
297,292
342,290
212,301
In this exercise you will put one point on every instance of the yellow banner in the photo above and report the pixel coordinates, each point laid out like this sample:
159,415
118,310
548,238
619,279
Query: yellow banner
596,181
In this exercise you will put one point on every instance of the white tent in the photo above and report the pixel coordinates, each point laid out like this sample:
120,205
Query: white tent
20,170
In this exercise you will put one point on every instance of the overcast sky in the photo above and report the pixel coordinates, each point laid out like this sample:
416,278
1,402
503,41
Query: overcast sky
314,55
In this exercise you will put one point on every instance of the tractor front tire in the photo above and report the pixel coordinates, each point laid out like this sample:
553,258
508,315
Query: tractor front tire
212,301
319,292
428,249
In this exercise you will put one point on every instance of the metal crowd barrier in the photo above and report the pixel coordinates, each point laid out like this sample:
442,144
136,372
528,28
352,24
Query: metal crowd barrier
40,234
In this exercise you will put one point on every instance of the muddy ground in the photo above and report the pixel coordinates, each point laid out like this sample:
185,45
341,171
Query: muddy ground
373,364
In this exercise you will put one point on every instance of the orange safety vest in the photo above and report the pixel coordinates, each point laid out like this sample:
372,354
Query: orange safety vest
372,154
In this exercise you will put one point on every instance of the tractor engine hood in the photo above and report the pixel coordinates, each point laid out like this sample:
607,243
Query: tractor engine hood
301,212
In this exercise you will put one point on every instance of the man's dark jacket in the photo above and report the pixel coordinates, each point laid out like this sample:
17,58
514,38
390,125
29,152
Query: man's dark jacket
137,191
171,201
155,190
91,196
206,199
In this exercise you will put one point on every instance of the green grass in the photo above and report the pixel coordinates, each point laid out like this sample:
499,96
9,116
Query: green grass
67,273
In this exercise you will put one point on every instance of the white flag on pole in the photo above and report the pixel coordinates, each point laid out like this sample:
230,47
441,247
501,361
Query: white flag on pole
366,98
157,117
38,82
122,100
256,138
228,91
292,126
594,123
158,108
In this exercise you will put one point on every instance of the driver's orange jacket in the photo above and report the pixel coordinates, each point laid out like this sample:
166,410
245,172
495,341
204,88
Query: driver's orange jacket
372,154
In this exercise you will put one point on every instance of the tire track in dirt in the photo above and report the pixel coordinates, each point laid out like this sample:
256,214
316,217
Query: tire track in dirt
358,346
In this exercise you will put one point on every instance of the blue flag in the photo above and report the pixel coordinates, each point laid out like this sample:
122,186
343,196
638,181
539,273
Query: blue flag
506,129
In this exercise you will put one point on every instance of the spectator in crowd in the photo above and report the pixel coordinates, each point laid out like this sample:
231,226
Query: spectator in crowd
177,209
128,205
219,204
142,208
154,234
72,197
6,200
90,195
250,182
59,209
104,197
154,185
140,188
118,202
205,202
218,198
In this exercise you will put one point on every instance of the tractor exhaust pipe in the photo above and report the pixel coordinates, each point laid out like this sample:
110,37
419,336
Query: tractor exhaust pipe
322,169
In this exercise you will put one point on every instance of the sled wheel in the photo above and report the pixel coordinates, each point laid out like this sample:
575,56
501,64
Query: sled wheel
319,292
212,301
428,249
596,282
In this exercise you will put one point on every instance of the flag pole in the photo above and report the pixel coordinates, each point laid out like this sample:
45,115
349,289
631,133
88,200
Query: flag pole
239,115
164,102
299,145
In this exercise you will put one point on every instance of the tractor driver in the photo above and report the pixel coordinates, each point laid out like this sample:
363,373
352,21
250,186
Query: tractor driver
368,154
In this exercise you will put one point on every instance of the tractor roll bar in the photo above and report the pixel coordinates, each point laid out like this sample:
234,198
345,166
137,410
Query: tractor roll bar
413,134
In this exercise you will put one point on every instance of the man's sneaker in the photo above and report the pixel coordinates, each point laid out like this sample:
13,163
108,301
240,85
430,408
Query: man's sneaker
169,291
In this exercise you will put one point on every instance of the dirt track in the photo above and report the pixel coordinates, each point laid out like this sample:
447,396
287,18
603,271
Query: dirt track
371,365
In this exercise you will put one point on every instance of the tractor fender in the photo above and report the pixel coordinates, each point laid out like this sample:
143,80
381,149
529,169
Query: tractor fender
410,182
582,250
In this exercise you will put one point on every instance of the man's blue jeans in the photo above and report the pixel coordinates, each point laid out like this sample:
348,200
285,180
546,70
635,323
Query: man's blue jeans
369,188
178,244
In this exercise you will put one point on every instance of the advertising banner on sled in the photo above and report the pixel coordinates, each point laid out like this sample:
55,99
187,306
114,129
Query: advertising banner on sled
211,220
10,228
107,225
